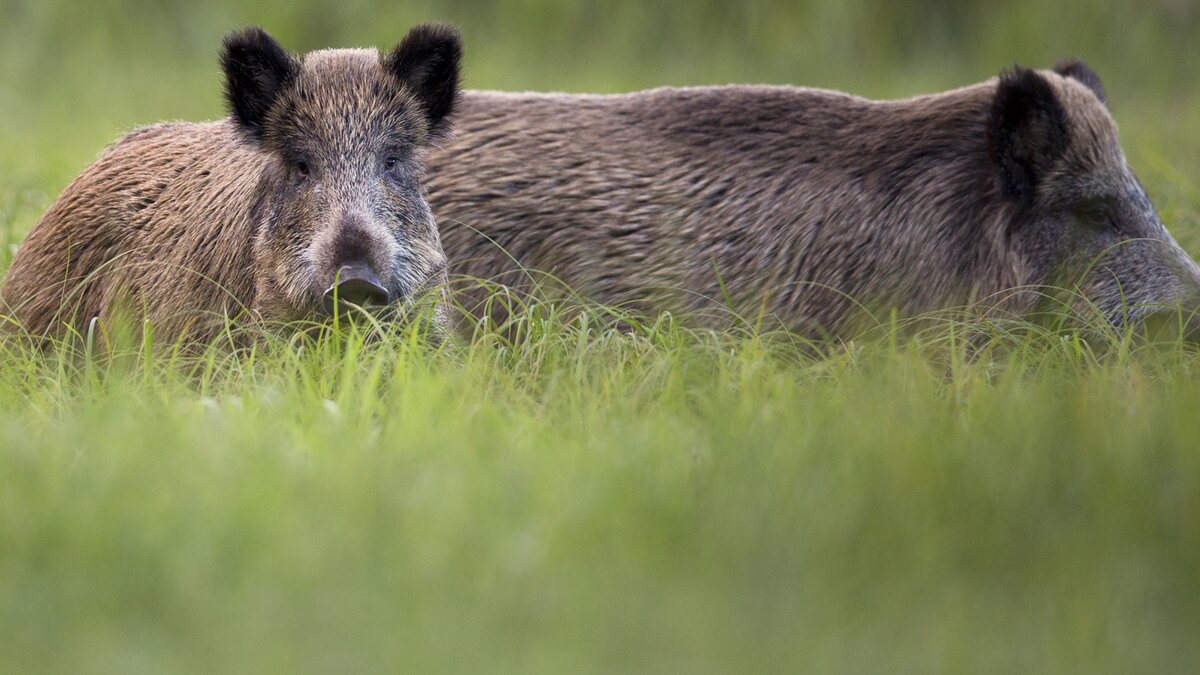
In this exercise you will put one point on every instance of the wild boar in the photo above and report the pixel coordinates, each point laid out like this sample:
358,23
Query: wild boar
309,191
815,207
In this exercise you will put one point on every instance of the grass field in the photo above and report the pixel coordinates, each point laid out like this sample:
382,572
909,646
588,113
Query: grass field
584,500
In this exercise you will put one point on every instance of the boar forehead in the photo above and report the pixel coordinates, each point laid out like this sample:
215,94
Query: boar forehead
343,103
1094,165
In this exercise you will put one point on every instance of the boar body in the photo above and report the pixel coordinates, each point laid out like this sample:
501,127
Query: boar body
814,207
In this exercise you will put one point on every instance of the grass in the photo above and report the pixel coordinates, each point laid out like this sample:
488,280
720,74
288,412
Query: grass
581,499
571,498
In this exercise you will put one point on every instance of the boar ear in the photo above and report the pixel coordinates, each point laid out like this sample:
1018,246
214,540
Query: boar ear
427,63
1027,132
1078,70
256,71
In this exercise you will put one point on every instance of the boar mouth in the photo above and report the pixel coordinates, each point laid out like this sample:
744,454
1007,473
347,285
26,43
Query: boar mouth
355,285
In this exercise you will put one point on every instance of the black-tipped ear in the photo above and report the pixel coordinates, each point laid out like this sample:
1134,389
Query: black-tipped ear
427,63
1028,131
256,71
1078,70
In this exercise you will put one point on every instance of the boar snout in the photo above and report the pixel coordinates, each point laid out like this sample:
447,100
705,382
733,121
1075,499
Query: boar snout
356,285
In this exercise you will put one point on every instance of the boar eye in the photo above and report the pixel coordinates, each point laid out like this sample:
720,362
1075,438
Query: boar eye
391,163
301,168
1095,210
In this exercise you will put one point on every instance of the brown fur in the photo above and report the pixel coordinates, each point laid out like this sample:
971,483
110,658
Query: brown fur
812,205
189,225
127,228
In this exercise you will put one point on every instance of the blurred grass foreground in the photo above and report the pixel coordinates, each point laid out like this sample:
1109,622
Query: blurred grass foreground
571,498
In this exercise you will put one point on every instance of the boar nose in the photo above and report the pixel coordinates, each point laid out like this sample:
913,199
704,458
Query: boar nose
358,285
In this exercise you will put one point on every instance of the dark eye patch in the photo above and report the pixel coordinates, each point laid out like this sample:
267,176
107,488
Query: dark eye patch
297,159
1096,210
398,162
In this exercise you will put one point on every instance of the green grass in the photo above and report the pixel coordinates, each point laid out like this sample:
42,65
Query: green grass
588,500
570,498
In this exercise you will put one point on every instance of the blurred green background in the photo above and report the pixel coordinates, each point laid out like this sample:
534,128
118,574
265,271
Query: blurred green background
74,76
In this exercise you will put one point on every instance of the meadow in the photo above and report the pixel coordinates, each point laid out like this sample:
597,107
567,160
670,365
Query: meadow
572,498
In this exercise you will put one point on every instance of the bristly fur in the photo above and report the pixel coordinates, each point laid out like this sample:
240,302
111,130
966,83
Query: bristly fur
802,205
1078,70
318,168
256,70
428,61
1027,132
